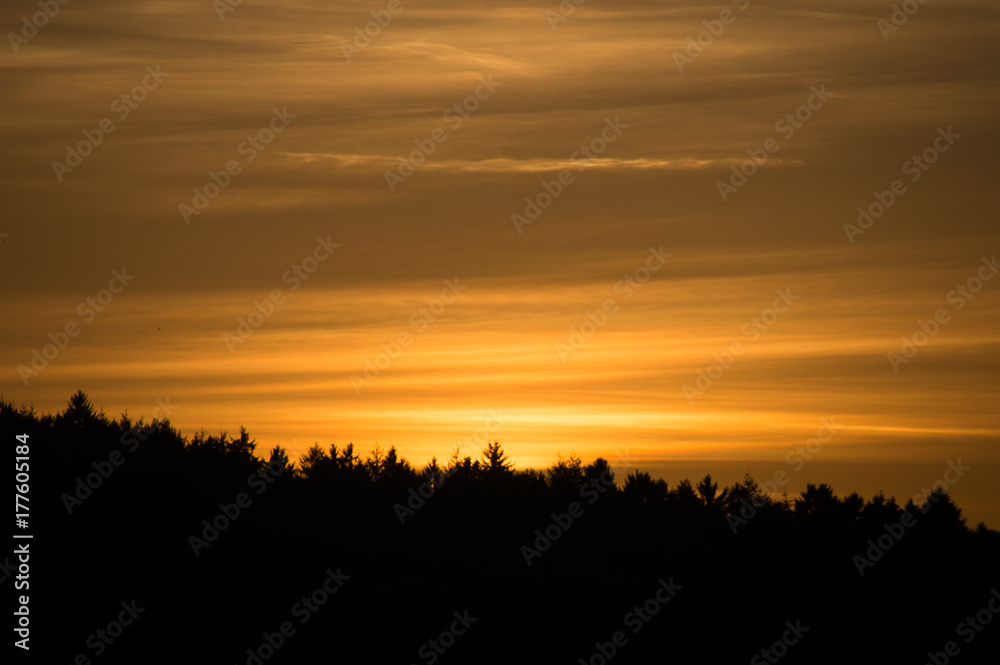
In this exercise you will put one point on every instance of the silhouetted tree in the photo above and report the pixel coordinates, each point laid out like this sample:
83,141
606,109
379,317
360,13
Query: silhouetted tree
315,464
566,475
685,494
278,464
942,516
434,474
396,471
348,459
462,470
748,491
816,501
879,511
641,488
599,471
375,462
708,491
79,410
496,463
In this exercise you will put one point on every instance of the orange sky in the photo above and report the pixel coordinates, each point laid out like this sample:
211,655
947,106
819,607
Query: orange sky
495,347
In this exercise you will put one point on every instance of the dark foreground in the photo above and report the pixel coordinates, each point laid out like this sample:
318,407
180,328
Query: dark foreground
149,548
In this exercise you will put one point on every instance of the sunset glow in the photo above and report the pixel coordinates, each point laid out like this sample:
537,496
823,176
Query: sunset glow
417,308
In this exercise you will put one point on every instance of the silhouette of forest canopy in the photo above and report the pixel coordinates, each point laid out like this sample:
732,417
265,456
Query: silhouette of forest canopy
209,535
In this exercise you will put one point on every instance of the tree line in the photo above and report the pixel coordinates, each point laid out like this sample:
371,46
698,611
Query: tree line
119,502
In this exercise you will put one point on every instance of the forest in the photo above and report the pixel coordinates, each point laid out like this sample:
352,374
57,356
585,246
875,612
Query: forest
152,547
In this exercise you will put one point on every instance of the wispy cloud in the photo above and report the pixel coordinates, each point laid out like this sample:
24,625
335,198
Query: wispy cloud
537,165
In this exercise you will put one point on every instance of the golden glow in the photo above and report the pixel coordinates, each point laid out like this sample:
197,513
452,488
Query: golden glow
495,348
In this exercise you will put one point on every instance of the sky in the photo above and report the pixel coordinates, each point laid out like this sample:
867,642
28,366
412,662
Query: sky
608,229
